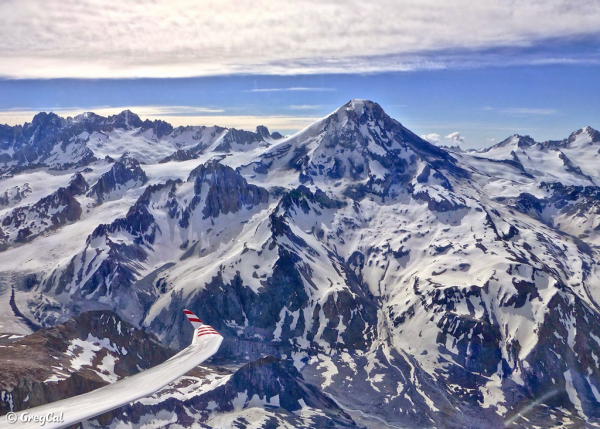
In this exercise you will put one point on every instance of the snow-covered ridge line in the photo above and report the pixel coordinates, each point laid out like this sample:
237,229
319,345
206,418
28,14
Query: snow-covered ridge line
385,269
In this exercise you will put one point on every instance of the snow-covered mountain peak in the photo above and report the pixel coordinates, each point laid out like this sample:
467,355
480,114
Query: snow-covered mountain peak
587,134
356,112
426,287
44,117
44,124
356,146
588,129
514,141
87,117
359,105
126,119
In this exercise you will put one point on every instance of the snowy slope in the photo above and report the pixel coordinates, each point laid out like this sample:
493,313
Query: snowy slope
418,285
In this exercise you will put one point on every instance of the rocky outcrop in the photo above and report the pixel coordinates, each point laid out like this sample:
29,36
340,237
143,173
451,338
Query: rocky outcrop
15,195
160,128
67,360
180,155
226,190
125,174
243,140
47,141
60,208
268,383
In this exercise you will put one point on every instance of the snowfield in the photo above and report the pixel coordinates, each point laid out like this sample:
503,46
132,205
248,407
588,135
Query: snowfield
418,286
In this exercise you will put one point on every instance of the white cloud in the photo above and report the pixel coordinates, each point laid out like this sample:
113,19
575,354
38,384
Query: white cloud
528,111
305,106
455,136
162,38
491,140
431,138
295,88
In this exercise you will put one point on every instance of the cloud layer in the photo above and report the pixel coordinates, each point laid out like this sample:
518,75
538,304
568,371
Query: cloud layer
162,38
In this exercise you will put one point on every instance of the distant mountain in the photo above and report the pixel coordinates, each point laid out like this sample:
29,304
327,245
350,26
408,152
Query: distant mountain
58,143
392,282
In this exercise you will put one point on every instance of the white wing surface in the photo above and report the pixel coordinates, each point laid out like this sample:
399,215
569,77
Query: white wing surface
205,343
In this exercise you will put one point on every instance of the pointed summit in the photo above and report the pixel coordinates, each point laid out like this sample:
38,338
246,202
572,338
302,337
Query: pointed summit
126,119
358,110
585,132
358,142
578,139
358,105
88,117
515,140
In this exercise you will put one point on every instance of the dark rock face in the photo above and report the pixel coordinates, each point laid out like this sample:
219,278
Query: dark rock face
180,155
50,354
242,138
59,143
126,120
160,128
227,192
268,382
580,204
24,224
559,371
45,129
269,377
15,195
440,204
34,143
263,131
218,190
125,174
282,293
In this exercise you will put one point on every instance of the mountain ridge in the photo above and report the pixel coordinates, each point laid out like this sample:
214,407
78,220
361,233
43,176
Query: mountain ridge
422,285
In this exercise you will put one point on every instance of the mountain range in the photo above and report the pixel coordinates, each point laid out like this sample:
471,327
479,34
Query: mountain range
361,276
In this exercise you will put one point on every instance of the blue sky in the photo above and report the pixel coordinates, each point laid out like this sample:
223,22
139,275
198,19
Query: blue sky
485,71
546,102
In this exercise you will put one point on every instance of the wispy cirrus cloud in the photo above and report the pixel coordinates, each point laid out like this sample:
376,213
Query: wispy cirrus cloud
293,88
522,110
530,111
305,106
161,38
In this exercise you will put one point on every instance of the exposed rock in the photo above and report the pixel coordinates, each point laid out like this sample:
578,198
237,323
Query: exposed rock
227,192
26,223
65,360
267,383
126,173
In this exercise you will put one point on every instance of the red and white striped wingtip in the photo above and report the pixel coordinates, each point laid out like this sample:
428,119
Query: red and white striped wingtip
206,330
194,320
